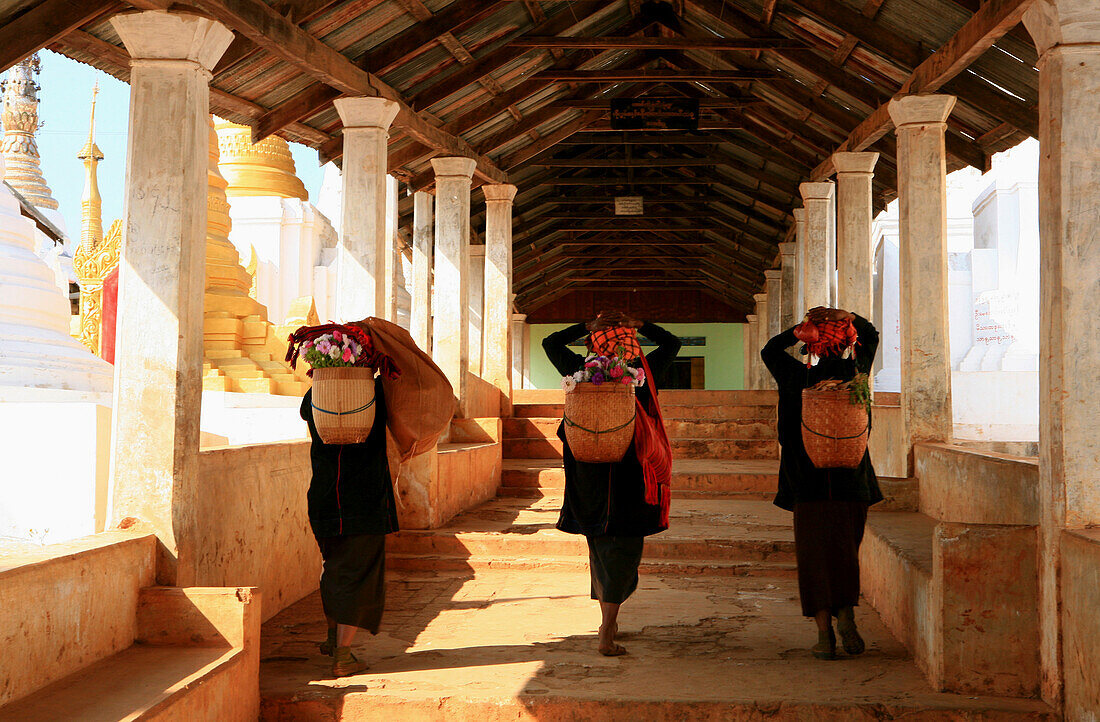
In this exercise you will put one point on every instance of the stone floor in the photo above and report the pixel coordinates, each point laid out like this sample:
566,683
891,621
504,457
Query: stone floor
482,643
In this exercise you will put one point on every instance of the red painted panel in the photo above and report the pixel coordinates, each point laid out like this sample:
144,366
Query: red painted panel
107,316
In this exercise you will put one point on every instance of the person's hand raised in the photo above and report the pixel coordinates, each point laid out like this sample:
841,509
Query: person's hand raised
823,313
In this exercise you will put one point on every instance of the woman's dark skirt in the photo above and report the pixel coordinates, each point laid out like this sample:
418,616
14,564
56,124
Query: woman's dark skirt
614,562
827,535
353,581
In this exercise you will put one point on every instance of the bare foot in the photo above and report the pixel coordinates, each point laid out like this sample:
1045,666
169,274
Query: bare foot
607,647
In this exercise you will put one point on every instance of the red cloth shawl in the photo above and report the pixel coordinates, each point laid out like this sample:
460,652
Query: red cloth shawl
653,448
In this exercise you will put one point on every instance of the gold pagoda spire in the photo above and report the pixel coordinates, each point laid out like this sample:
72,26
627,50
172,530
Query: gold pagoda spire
91,217
261,169
22,164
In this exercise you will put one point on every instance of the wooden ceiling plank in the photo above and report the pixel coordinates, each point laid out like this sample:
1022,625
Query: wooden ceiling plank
656,43
46,23
279,36
991,22
663,75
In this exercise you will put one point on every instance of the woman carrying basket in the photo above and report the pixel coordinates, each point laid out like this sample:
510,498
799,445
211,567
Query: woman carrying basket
607,503
829,505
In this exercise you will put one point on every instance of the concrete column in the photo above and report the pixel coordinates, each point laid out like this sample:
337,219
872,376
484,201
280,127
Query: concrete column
390,246
450,297
854,175
364,250
752,353
773,281
422,270
788,315
158,356
921,121
817,269
496,322
800,306
1067,35
521,349
475,289
763,378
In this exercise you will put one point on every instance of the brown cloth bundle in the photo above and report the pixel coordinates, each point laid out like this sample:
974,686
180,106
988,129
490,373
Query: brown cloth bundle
420,404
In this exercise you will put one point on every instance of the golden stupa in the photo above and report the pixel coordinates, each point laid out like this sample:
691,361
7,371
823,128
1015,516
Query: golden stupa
263,169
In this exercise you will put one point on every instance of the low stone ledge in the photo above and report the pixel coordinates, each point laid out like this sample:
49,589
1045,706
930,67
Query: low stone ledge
976,487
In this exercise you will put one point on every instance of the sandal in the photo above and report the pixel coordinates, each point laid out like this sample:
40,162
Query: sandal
346,664
826,645
849,635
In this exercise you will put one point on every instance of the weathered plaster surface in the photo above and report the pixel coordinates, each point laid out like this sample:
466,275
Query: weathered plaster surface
1081,623
496,322
921,122
158,359
67,605
364,245
450,308
854,180
423,230
820,212
976,487
789,313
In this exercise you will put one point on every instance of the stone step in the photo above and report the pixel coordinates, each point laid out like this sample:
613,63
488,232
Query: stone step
576,564
506,530
546,427
515,492
715,412
692,448
688,475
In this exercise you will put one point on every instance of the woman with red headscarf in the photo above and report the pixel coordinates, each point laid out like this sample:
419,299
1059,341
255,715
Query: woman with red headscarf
829,505
615,506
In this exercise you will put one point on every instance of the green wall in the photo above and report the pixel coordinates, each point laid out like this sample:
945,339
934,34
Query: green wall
724,353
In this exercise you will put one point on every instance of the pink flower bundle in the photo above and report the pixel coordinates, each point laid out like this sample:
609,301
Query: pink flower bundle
333,345
601,370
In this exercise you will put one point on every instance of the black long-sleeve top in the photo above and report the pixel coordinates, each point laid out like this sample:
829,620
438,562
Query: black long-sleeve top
351,491
799,479
608,498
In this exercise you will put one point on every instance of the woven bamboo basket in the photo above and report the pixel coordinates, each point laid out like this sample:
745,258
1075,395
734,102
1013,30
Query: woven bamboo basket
599,421
343,404
834,430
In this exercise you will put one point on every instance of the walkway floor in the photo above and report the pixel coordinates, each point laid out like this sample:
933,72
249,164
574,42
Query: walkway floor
501,644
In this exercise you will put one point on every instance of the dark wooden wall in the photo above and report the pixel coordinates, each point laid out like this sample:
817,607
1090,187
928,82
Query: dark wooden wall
667,307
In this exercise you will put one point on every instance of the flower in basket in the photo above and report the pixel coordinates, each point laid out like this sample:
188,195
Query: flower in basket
599,370
334,345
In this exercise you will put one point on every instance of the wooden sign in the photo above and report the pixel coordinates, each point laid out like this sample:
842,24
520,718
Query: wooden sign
643,113
629,206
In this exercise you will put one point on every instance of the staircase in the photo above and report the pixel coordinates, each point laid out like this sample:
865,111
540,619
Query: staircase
489,617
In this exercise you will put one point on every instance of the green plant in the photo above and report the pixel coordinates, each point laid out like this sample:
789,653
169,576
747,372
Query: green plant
859,391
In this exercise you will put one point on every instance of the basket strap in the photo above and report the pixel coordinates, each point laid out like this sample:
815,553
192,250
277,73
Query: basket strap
343,413
836,438
570,422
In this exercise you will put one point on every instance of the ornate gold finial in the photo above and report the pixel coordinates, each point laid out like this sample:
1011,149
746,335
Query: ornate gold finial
22,165
92,263
253,264
262,169
91,219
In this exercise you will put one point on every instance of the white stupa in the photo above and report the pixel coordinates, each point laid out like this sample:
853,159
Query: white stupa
36,350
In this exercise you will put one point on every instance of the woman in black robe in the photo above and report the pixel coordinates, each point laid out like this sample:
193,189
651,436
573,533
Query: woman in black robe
829,505
606,502
351,510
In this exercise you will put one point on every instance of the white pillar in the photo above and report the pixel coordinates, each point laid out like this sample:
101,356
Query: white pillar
773,281
390,246
496,321
763,377
521,349
158,358
888,313
788,316
423,227
854,176
450,298
1067,34
475,289
364,249
800,306
921,122
817,269
752,353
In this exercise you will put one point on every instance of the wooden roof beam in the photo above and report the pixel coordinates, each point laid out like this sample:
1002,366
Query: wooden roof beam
656,43
279,36
662,75
316,98
992,21
46,23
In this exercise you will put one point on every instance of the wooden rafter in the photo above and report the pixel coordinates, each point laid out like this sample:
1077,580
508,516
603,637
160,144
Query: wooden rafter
46,23
656,43
993,20
663,75
279,36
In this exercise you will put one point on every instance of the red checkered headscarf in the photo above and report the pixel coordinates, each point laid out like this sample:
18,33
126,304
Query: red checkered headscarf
615,341
827,338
